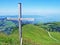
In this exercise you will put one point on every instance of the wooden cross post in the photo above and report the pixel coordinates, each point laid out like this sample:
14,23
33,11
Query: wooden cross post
19,19
20,27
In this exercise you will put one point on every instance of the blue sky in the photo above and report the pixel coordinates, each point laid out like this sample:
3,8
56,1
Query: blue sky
30,7
38,7
8,7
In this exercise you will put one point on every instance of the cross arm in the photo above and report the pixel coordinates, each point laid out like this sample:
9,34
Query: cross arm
12,18
28,19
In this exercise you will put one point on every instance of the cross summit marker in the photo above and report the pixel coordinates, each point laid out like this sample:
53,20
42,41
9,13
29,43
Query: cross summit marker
19,19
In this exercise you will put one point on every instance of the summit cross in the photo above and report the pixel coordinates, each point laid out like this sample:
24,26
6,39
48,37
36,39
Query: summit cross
19,19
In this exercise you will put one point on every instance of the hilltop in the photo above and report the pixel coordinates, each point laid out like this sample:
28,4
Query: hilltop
32,35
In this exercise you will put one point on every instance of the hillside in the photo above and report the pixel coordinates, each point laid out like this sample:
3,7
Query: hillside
32,35
12,39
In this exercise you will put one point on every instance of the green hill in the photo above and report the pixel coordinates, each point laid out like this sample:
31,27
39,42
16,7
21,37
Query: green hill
12,39
32,35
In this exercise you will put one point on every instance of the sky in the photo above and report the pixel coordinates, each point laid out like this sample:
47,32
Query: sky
8,7
38,7
30,7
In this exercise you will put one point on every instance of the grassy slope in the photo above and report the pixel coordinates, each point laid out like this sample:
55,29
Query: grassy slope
56,35
38,35
32,35
12,39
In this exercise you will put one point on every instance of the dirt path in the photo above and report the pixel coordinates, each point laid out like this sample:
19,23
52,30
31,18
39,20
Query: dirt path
51,36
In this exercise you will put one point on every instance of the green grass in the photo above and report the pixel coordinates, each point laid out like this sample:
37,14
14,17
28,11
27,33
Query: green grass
12,39
37,35
56,35
32,35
